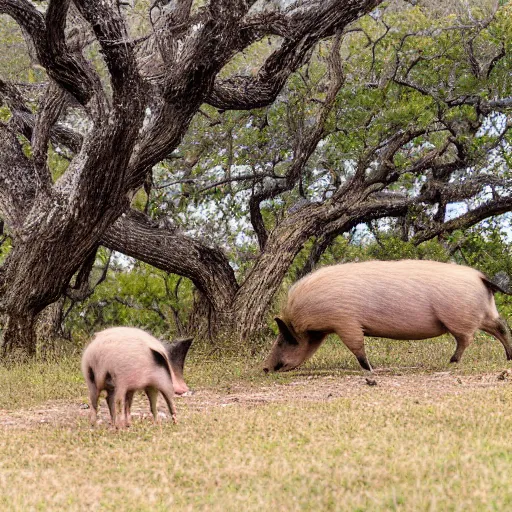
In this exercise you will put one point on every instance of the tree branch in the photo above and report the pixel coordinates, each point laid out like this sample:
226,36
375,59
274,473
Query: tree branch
70,70
257,221
49,112
301,26
242,92
24,119
306,144
118,50
488,209
321,244
82,288
134,234
16,195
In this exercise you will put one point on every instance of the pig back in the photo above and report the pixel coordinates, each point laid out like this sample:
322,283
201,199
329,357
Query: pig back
397,299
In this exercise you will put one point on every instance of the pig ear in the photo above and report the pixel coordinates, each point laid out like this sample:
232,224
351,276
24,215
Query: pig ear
285,332
177,352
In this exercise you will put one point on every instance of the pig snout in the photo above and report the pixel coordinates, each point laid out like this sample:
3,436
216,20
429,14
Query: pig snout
276,367
178,382
180,388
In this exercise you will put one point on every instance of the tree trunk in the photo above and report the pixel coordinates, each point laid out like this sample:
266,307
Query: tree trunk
222,307
19,335
40,266
48,328
255,296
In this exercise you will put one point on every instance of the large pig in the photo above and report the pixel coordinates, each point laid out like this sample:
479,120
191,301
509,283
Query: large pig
404,300
122,360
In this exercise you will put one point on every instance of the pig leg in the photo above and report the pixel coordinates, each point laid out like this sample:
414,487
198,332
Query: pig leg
119,405
152,394
110,388
168,393
500,330
463,341
111,404
93,397
355,343
127,407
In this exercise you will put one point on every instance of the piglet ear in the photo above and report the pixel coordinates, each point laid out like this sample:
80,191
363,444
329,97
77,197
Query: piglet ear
285,332
177,352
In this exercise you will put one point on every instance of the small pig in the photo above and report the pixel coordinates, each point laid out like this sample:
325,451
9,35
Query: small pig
122,360
404,300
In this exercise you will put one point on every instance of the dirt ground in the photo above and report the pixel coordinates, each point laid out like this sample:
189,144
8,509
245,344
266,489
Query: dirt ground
426,388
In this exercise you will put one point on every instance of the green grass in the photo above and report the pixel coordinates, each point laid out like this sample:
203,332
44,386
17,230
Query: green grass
370,450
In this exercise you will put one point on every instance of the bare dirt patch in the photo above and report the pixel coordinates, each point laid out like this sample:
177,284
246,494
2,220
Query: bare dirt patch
376,387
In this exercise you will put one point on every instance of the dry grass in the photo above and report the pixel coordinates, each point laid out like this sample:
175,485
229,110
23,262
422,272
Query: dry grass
428,436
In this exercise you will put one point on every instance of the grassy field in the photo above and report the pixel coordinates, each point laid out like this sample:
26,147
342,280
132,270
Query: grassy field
427,436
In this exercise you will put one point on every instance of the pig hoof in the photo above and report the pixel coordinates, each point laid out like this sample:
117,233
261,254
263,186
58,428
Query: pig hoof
364,363
454,359
174,419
